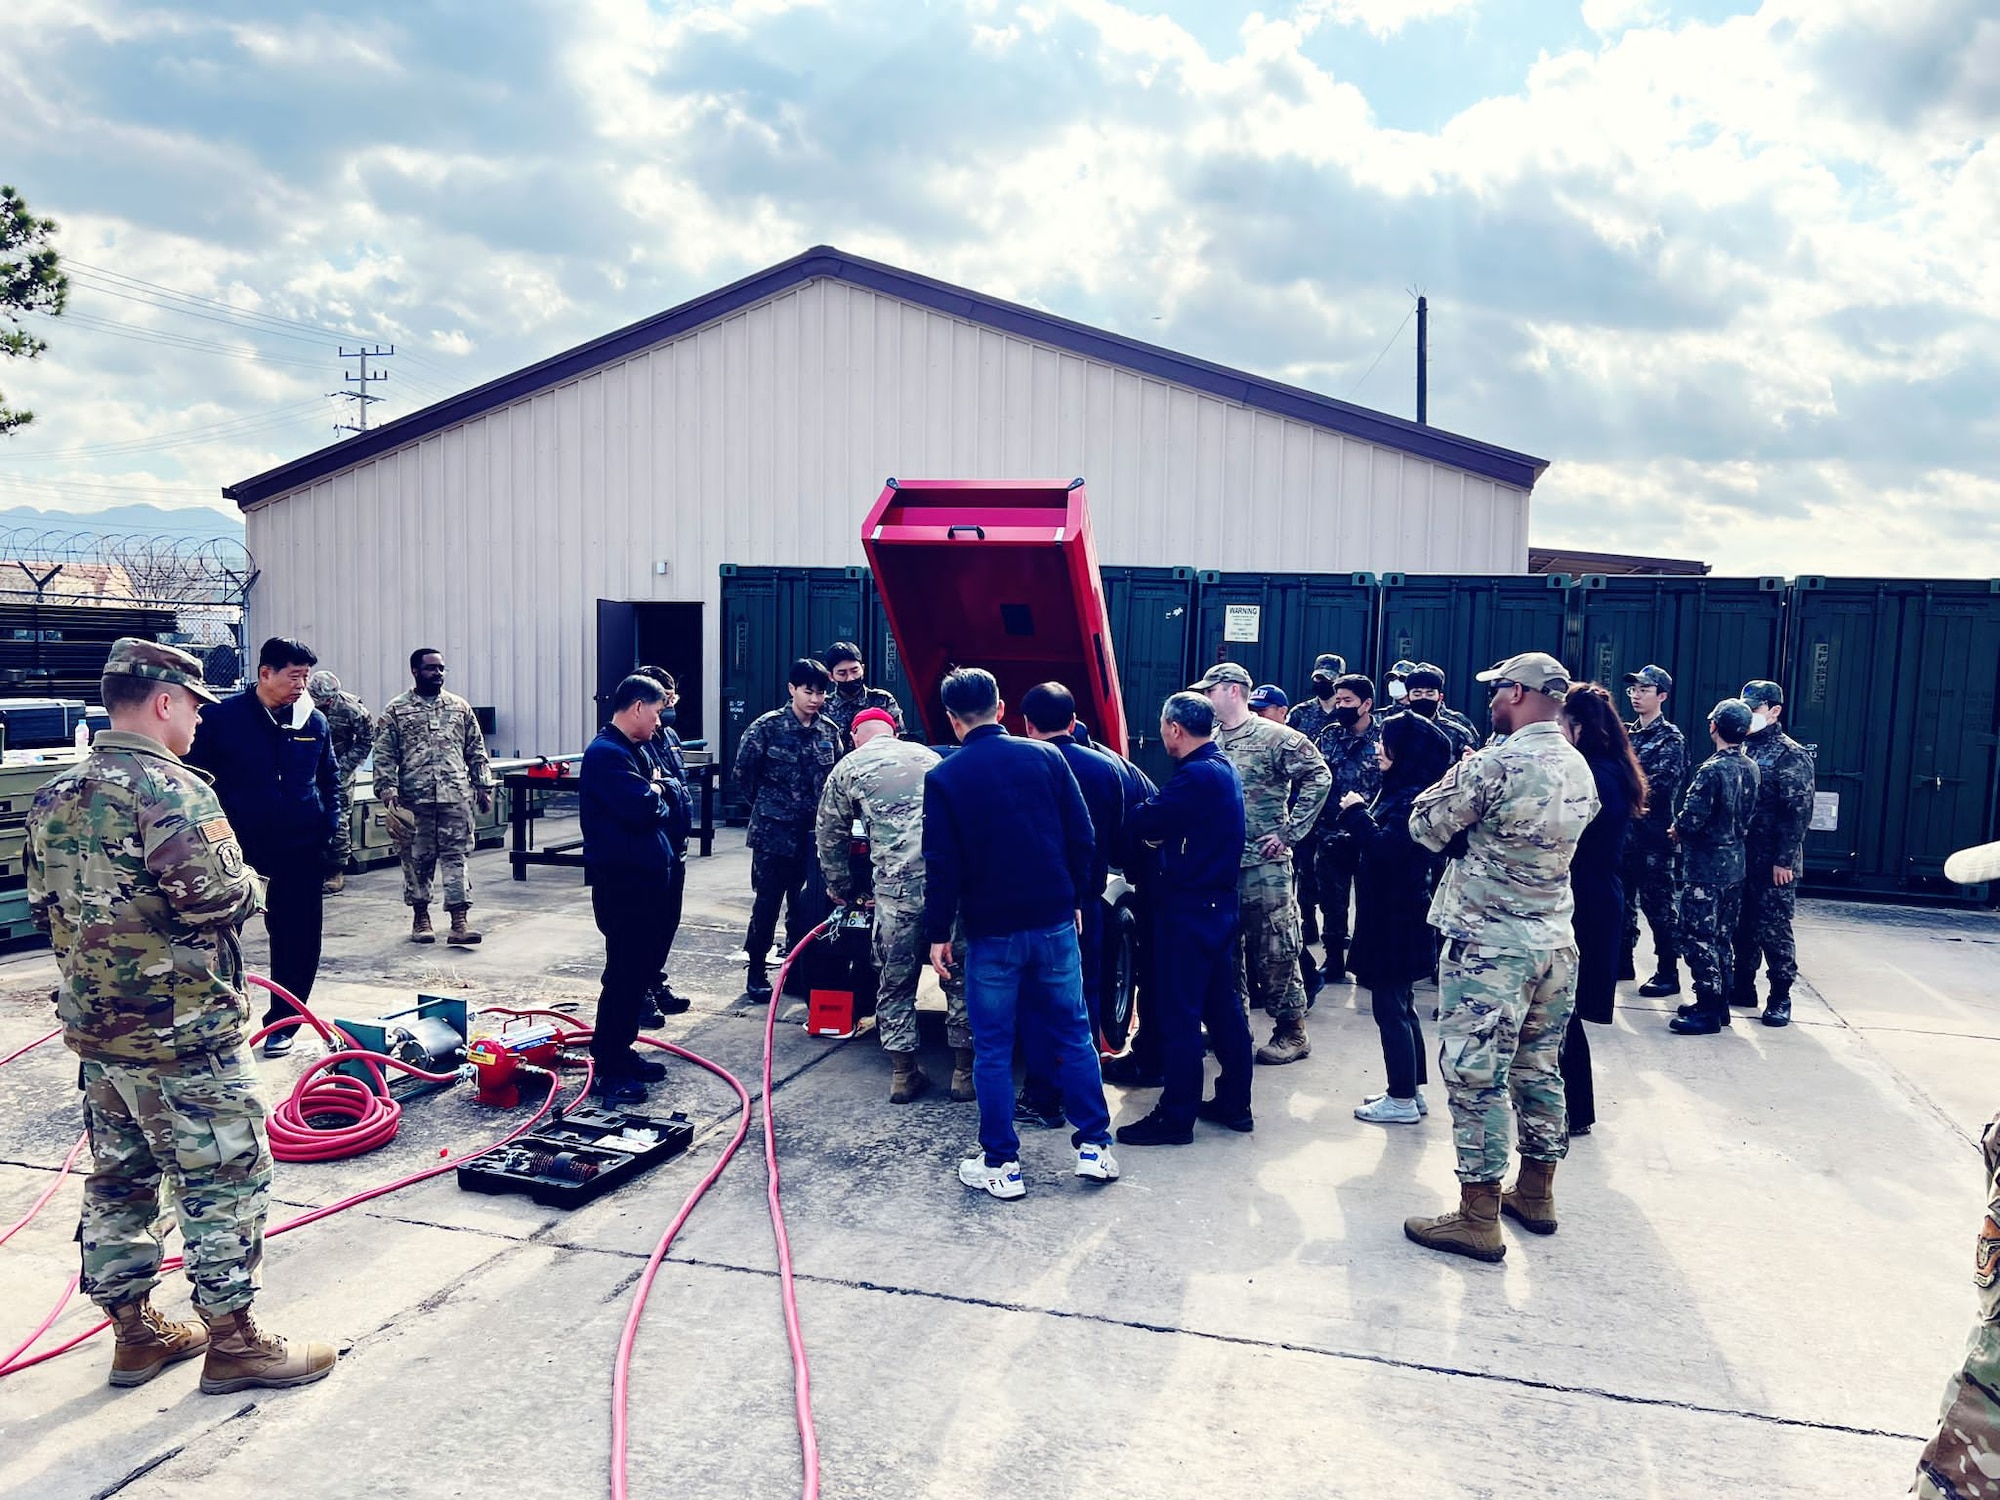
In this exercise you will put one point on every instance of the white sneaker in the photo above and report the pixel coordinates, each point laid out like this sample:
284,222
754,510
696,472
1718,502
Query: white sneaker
1383,1110
1003,1181
1422,1108
1096,1162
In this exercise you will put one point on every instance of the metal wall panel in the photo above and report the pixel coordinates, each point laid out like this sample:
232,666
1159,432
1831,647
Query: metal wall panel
1892,684
759,440
1150,613
1711,634
1466,624
1297,616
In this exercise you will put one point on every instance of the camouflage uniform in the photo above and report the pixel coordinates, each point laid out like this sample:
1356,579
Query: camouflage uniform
1508,979
1308,718
1350,757
1962,1459
352,731
1711,821
1274,763
882,784
781,767
138,879
840,711
431,757
1651,874
1777,837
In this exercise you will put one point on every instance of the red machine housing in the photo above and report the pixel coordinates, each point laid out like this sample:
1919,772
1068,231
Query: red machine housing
1000,574
498,1062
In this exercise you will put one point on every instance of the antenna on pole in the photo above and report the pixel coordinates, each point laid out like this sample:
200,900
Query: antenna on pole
360,395
1423,361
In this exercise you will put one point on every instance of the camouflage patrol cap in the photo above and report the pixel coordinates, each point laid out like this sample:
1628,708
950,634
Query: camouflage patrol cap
323,684
1225,671
1532,669
1762,694
1402,668
132,657
1652,677
1732,717
1329,664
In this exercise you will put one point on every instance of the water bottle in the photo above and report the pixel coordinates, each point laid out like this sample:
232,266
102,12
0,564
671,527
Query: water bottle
82,735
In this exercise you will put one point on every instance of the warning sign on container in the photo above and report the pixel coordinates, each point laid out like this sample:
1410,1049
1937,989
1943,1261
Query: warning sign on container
1240,621
1825,813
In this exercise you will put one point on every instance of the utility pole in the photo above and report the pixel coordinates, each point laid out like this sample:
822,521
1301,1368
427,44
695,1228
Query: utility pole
1423,361
360,395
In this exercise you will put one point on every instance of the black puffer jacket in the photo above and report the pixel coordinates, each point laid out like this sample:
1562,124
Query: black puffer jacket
1394,942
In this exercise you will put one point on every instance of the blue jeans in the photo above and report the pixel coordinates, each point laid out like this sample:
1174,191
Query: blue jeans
1039,1084
1039,973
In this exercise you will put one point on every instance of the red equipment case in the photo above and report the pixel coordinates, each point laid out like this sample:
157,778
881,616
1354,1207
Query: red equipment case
1000,574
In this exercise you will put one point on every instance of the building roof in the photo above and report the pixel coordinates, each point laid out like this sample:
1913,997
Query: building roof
1518,470
1569,560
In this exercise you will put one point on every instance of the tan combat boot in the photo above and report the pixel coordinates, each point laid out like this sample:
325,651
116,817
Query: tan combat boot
908,1080
460,936
1288,1043
1531,1201
147,1342
1473,1229
241,1356
962,1090
420,923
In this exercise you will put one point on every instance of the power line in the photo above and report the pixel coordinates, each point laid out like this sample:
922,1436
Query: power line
1385,350
16,481
144,335
182,437
323,330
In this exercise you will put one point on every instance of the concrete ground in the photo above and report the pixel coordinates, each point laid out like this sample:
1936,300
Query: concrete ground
1759,1287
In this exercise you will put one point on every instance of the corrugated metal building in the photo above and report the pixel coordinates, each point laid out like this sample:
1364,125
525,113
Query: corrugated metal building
754,426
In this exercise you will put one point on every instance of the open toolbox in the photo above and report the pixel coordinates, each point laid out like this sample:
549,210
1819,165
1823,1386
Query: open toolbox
582,1156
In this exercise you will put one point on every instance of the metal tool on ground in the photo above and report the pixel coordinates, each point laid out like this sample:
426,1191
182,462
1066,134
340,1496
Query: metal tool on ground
584,1155
502,1062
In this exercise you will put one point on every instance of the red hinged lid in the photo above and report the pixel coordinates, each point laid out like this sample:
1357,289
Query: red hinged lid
1000,574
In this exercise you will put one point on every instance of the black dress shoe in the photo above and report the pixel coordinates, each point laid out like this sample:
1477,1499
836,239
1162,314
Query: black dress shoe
1153,1130
645,1069
278,1043
1216,1113
1701,1023
758,987
1127,1073
1660,984
618,1089
666,1002
1032,1112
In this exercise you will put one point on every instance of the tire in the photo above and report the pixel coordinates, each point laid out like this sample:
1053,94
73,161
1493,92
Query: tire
1118,982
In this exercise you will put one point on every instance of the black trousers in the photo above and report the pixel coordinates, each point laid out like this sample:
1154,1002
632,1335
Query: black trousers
1305,886
1402,1039
776,878
670,915
293,907
1578,1086
1334,876
626,905
1194,949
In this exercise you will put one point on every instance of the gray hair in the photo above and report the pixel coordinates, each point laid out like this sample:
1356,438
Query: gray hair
1191,711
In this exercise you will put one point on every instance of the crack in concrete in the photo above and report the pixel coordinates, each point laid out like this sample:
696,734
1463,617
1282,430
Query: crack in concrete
1354,1356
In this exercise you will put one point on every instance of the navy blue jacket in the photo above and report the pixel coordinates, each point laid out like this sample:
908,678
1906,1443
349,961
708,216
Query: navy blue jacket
279,786
1007,838
1197,820
1104,798
627,814
666,752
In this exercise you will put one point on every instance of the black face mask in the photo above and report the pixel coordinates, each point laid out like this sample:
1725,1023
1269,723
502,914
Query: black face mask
1347,716
1323,687
852,689
1428,707
667,715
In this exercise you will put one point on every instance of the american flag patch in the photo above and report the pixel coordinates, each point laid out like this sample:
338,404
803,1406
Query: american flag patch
215,831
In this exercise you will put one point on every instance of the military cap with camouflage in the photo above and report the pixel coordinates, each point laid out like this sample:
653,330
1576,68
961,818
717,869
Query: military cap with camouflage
133,657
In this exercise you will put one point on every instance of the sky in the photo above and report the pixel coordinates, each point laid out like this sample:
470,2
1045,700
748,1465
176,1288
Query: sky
1733,268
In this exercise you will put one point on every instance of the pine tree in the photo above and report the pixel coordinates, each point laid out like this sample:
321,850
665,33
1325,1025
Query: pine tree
31,281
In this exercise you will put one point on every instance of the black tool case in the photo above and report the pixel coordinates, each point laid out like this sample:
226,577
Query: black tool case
566,1163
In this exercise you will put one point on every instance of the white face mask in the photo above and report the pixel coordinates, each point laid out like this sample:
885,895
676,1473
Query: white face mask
1397,690
1759,722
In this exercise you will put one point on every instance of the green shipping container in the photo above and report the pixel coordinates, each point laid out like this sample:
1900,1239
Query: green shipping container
1150,612
1711,634
1467,624
1892,684
1274,624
